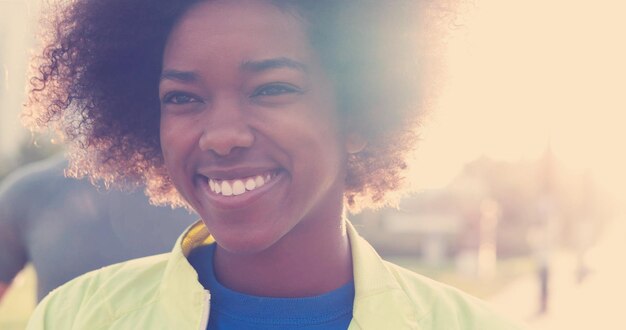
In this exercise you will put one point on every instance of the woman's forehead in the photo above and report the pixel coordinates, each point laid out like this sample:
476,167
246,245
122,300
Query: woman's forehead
239,33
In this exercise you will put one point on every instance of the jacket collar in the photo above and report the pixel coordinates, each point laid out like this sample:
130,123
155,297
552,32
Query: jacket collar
380,302
180,286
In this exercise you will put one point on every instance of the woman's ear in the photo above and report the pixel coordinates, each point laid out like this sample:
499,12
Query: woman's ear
355,143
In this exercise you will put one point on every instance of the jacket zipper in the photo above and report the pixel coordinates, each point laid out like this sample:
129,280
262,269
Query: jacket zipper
204,320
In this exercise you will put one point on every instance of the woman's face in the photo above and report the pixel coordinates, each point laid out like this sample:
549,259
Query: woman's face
249,126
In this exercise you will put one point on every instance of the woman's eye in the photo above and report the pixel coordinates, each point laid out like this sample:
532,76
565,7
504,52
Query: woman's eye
275,89
180,98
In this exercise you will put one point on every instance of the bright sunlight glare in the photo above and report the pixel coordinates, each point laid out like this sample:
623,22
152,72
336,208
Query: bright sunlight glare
525,75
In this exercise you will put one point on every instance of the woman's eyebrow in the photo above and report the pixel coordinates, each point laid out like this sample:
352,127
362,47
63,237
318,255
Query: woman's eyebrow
182,76
273,63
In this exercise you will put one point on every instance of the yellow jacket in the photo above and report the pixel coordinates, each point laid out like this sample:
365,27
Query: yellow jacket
162,292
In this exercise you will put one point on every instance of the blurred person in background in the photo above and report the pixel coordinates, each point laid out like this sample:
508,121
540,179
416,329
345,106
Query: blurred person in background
66,227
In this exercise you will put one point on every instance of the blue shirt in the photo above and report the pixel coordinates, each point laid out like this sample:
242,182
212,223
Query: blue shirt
234,310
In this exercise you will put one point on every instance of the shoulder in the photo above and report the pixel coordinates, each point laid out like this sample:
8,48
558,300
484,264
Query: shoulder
102,295
32,179
389,296
442,304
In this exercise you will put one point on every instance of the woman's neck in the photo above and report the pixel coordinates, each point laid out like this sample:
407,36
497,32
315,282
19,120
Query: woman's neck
310,260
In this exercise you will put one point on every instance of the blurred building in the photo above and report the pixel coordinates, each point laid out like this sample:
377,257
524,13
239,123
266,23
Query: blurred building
485,213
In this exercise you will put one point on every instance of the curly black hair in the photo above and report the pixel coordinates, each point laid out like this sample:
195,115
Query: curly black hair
96,84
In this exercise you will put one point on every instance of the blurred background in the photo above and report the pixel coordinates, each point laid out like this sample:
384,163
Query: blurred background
518,177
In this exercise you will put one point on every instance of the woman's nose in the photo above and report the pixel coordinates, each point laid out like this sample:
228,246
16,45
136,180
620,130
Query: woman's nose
226,129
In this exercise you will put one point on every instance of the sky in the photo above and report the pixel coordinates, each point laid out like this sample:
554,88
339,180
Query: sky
523,75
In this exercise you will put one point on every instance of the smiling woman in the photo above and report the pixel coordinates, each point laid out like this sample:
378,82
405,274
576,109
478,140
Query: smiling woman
102,60
266,118
266,110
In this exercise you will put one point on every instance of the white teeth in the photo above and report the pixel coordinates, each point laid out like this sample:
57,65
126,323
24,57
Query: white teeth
215,187
238,186
259,181
218,188
250,185
227,190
